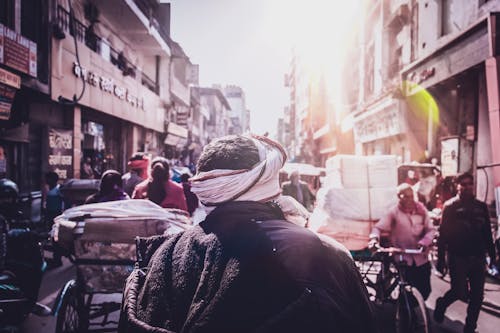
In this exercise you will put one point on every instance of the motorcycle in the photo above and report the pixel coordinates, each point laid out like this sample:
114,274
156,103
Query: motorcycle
21,264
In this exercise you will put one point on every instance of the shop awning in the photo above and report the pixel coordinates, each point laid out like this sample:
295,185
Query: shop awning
176,135
16,134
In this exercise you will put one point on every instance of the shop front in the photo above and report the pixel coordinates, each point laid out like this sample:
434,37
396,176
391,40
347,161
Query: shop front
10,136
454,89
20,93
113,114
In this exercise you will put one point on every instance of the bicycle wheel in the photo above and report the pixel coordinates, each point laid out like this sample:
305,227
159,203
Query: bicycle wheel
71,317
411,313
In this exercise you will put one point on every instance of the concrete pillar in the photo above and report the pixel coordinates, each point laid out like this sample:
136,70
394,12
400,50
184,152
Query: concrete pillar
492,88
77,140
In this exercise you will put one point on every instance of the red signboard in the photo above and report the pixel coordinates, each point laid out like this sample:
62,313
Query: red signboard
10,79
6,98
17,52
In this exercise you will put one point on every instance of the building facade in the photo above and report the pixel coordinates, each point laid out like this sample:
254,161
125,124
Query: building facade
428,88
215,111
24,90
239,115
89,81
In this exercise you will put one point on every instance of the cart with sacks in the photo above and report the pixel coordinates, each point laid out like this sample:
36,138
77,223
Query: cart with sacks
100,241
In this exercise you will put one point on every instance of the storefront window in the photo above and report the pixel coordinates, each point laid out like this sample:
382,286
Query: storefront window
93,147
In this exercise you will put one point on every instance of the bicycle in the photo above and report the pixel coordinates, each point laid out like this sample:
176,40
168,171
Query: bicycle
385,278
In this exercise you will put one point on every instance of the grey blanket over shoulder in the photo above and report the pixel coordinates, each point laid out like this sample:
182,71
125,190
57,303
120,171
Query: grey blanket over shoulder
244,269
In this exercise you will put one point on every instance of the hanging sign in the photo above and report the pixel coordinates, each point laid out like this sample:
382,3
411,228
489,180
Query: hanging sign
17,51
60,157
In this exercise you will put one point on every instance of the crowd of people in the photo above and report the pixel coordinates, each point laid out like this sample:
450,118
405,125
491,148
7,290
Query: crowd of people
145,179
246,267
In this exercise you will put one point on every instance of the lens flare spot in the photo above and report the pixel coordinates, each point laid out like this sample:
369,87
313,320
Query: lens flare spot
420,102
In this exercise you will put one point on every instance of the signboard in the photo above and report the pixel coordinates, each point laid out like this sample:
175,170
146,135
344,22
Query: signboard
6,99
449,157
17,52
8,84
10,79
381,124
60,156
456,155
177,130
108,85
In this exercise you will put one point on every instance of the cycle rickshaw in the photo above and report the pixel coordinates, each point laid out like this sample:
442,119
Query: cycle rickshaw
384,274
100,241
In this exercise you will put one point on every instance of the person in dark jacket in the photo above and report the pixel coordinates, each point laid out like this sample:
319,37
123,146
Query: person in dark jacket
465,234
110,189
299,190
245,268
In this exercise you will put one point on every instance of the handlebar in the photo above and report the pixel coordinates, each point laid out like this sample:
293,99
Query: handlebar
396,250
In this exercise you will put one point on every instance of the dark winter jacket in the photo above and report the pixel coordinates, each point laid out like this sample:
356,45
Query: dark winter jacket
465,229
244,269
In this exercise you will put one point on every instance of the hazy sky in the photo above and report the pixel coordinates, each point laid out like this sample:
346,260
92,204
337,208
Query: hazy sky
238,42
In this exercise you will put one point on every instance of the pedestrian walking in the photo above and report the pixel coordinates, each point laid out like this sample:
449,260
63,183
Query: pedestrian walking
409,227
54,206
299,190
138,171
245,268
465,236
160,188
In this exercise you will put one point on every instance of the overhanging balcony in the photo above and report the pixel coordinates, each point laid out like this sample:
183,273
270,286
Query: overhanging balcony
133,24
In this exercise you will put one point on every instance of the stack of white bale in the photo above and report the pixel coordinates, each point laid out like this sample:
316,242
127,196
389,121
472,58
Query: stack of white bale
357,191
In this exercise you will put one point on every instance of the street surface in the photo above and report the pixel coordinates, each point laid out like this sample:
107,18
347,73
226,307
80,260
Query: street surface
489,319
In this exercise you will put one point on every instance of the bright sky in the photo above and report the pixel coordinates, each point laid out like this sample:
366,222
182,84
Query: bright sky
248,43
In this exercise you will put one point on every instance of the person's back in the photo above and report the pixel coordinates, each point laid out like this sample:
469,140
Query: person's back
110,188
54,201
245,268
130,180
159,188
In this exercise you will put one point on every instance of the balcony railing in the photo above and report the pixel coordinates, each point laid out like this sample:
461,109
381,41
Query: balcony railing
86,35
147,9
149,83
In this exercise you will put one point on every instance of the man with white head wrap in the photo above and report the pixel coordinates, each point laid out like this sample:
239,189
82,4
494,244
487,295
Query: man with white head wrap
245,268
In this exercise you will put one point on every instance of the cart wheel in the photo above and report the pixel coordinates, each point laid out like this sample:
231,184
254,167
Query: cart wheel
71,317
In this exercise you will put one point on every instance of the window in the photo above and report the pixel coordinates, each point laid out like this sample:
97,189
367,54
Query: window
7,13
450,16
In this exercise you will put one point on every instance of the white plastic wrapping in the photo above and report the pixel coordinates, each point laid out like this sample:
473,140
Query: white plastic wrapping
354,172
352,169
345,203
381,200
107,231
382,171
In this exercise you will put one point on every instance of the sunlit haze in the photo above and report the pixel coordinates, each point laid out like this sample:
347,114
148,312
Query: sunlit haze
249,44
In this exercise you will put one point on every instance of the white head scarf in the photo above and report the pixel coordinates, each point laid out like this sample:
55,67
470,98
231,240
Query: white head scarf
260,183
